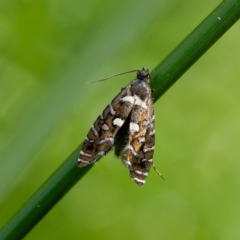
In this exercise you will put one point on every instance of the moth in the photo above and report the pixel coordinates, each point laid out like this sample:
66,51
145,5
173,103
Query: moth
127,123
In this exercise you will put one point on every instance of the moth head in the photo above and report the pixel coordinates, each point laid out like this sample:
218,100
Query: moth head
144,74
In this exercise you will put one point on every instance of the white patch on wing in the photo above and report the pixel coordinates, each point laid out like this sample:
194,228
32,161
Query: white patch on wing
142,139
153,118
128,164
105,127
118,121
148,149
106,140
85,154
128,99
146,160
134,127
152,132
111,109
94,131
139,102
99,154
139,180
141,173
83,161
130,147
145,123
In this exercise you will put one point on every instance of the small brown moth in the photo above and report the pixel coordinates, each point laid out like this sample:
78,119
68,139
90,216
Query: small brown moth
128,124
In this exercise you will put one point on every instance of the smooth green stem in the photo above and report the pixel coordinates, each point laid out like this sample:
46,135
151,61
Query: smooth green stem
191,49
44,198
194,46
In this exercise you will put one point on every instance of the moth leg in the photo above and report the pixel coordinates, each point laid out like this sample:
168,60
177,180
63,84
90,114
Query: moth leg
156,170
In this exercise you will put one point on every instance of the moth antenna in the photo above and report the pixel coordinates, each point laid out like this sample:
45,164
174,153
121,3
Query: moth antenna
115,75
158,172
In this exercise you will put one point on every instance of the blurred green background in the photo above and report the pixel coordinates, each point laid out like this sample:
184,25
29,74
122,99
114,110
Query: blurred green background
49,50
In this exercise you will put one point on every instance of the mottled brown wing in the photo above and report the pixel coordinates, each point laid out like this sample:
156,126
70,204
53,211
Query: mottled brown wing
101,136
137,151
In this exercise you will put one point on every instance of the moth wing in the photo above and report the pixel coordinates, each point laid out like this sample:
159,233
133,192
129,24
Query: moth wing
101,136
139,147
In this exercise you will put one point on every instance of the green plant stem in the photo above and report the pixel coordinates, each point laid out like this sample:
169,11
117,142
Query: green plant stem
191,49
44,199
194,46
